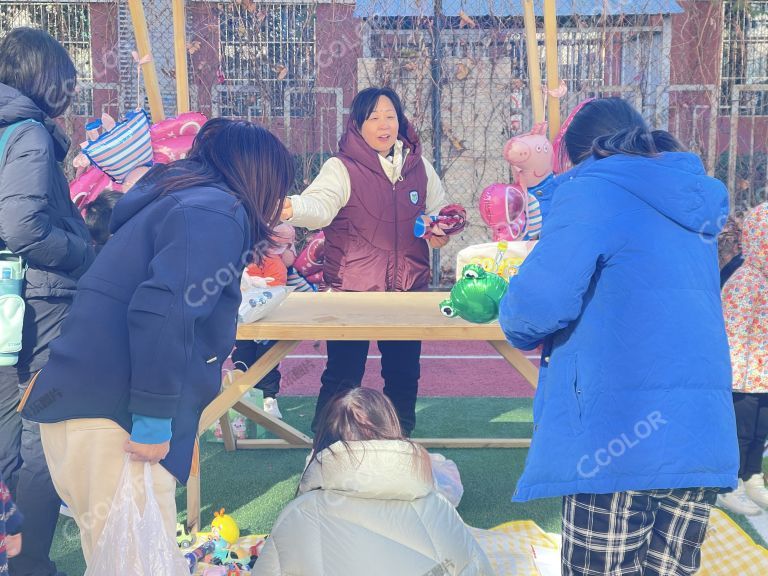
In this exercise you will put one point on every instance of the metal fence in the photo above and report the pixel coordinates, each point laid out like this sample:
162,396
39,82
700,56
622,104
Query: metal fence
698,69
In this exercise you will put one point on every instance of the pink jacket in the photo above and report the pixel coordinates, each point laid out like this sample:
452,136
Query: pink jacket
745,306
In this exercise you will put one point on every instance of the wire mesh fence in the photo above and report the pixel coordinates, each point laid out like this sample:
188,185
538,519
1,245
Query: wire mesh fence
697,69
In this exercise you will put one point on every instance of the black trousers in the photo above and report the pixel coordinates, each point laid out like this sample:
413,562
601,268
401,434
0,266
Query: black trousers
752,429
247,352
22,461
400,369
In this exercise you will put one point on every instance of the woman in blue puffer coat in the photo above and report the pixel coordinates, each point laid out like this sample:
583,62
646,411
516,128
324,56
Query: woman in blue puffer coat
633,419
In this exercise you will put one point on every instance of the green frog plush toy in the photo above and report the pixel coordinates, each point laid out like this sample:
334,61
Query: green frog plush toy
476,297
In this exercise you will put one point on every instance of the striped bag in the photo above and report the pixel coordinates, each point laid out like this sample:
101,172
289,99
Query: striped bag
127,146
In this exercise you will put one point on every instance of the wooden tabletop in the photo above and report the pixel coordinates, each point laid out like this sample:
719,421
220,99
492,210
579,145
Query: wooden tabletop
365,316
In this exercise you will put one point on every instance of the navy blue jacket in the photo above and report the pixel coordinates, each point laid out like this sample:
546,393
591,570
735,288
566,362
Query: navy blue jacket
623,290
153,318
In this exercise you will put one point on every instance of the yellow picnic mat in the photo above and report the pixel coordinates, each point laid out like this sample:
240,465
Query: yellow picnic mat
727,550
510,546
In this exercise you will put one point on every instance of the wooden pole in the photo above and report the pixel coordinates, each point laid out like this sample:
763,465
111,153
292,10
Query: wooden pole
180,53
534,66
553,77
143,47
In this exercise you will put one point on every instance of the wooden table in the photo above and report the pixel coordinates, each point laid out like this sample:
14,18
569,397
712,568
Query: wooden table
345,316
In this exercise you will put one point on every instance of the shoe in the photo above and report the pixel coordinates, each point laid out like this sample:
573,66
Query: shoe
271,408
756,490
65,511
738,502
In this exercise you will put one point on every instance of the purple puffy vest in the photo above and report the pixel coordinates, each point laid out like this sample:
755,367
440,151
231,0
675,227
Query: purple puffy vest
370,245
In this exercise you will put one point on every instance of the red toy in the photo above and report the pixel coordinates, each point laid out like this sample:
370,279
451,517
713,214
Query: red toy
309,263
450,220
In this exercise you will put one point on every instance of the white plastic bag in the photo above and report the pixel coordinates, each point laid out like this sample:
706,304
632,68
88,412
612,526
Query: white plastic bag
447,479
258,302
135,544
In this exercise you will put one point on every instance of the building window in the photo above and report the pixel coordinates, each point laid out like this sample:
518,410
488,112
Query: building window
70,24
267,55
745,56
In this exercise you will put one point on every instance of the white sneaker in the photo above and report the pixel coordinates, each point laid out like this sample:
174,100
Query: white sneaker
271,408
738,502
756,491
65,511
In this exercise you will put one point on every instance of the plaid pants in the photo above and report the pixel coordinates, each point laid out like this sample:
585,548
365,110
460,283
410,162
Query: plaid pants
649,533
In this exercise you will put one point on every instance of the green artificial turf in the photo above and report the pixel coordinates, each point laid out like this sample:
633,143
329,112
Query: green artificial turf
254,485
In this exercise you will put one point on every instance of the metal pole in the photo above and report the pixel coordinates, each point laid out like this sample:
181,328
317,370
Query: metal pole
437,127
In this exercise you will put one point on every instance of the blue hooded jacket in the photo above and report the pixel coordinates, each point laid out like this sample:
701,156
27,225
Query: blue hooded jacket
623,291
153,318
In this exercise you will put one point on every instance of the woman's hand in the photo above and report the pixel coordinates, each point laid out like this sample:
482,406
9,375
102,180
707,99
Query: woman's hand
438,241
13,545
287,212
151,453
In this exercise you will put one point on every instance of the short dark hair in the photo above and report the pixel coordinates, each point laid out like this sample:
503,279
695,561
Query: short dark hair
34,63
365,101
608,126
248,160
98,213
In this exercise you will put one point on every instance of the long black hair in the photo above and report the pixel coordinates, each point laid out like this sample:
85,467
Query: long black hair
365,101
248,160
34,63
608,126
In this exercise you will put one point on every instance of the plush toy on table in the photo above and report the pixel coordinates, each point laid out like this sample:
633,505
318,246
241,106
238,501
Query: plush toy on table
476,296
516,211
449,221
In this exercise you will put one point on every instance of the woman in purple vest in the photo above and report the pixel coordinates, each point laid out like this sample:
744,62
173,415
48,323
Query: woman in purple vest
367,199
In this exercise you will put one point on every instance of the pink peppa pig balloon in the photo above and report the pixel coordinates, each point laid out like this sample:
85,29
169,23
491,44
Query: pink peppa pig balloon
530,156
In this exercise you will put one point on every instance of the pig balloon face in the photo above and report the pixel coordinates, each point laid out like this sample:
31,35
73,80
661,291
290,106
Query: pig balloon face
530,156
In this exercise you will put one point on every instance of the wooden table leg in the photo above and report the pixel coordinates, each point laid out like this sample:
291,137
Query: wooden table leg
289,435
218,409
242,384
193,491
517,359
226,432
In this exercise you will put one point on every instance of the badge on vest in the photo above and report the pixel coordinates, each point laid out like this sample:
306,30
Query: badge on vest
414,195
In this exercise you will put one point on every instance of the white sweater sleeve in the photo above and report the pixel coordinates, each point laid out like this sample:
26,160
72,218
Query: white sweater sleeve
435,192
322,200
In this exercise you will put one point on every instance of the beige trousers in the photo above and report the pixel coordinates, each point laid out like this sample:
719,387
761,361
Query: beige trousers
85,457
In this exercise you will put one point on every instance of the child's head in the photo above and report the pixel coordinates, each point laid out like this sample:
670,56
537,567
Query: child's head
34,63
359,414
607,126
97,215
364,414
378,114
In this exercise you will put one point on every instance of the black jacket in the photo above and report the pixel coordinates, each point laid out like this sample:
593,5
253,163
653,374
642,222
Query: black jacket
38,221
